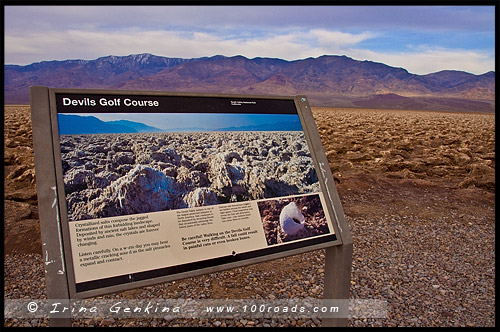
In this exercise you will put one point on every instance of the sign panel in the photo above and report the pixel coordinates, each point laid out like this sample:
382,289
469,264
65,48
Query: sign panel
152,184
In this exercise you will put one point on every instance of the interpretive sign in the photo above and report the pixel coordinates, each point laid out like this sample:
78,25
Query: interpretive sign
151,186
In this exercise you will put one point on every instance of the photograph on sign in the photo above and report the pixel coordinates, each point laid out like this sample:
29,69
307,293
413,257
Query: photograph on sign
294,218
138,168
156,185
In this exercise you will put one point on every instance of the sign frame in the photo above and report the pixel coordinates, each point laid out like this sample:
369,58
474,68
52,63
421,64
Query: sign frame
56,242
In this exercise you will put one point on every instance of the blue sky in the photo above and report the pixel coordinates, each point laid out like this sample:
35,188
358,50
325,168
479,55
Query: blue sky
421,39
208,121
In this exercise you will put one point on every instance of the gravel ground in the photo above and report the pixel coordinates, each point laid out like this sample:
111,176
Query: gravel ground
432,271
423,242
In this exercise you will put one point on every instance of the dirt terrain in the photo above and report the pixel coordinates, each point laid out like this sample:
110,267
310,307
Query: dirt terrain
418,193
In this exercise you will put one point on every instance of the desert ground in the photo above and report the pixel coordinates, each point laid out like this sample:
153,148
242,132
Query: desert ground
417,189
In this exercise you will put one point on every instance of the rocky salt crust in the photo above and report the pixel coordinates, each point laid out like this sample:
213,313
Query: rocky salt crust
121,174
421,214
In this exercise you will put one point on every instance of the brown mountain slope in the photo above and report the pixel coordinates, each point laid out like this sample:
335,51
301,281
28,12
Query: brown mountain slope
327,80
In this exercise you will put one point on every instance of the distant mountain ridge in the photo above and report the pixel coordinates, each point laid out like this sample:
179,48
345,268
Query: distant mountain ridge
327,80
71,124
137,126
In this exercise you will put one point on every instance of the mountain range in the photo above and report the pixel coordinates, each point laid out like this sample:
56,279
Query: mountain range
72,124
334,81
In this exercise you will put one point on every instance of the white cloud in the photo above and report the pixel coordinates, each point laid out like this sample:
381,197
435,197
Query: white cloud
93,44
430,60
328,38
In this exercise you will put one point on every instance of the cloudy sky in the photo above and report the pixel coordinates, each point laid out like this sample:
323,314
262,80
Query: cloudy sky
421,39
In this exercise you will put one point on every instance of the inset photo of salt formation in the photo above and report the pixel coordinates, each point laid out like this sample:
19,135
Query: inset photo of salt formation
121,167
292,218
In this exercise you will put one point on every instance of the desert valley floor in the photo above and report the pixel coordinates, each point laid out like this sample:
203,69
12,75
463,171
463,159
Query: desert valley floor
417,189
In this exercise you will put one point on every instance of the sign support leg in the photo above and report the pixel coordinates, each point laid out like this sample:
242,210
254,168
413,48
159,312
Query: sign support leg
52,250
338,265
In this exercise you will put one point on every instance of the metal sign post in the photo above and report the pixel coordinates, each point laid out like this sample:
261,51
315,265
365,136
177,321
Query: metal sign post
115,240
338,259
48,202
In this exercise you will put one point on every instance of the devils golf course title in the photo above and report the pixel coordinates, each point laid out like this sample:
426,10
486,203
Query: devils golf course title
110,102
